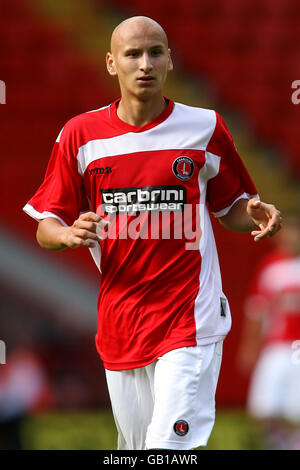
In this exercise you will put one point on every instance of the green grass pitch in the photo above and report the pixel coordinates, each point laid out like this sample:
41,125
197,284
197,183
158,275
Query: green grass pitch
95,430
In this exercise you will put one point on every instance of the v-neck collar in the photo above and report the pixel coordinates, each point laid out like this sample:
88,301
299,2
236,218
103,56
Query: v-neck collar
130,128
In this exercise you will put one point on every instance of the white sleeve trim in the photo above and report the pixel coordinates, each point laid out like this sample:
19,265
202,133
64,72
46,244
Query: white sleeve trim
32,212
225,211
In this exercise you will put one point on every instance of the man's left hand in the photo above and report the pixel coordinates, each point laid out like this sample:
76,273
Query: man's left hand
266,217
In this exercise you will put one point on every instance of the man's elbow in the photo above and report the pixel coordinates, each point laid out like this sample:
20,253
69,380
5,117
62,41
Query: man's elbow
39,237
225,222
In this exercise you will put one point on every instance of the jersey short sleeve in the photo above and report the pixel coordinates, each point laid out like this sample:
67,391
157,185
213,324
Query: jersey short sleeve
232,180
61,194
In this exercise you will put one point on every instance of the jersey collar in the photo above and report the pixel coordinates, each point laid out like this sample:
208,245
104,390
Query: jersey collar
129,128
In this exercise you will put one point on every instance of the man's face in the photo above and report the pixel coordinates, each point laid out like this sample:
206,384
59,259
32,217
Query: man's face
140,58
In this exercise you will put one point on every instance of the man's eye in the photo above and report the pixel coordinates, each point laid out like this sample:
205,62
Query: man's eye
157,52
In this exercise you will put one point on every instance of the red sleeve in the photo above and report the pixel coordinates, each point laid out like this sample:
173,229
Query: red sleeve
232,180
61,194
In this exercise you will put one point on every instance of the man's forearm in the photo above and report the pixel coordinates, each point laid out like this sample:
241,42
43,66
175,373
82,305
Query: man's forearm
51,234
238,220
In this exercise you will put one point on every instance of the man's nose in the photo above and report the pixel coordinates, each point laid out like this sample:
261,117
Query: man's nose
146,64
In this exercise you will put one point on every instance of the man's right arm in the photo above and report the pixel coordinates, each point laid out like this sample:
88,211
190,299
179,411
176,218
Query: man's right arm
53,235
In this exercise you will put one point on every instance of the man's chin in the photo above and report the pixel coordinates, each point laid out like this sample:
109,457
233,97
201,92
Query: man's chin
147,93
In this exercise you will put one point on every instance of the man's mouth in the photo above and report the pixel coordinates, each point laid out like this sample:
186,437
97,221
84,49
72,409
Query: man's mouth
145,78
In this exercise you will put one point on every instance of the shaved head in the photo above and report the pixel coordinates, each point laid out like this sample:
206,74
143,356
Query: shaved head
140,58
136,25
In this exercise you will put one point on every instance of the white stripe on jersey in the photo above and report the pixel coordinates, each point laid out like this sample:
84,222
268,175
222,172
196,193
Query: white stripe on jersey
207,302
59,135
98,109
168,135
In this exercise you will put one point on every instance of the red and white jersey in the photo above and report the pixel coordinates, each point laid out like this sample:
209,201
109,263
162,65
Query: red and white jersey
275,296
157,292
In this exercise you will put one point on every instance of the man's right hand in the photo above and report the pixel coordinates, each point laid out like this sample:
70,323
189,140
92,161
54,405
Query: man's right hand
83,232
52,235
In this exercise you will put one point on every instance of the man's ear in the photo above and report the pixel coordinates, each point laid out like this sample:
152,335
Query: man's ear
170,62
110,64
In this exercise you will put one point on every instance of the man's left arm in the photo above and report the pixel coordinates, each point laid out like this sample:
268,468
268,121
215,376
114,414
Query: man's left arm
262,219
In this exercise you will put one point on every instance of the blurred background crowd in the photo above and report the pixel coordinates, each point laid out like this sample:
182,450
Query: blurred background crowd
239,57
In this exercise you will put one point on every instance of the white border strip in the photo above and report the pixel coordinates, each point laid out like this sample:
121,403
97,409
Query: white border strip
32,212
225,211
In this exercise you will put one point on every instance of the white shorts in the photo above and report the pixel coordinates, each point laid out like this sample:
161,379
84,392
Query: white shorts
169,404
275,386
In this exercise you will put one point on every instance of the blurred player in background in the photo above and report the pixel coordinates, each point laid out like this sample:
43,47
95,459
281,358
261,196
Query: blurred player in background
162,315
25,388
271,340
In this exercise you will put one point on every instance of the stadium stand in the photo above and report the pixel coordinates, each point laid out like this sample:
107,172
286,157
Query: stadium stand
250,49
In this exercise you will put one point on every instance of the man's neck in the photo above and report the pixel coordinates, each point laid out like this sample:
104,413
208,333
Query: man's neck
138,113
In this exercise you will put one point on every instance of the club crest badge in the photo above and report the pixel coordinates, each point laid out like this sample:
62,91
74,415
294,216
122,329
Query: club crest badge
183,168
181,427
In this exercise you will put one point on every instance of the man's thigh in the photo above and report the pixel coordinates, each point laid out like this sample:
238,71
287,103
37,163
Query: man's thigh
131,395
185,382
